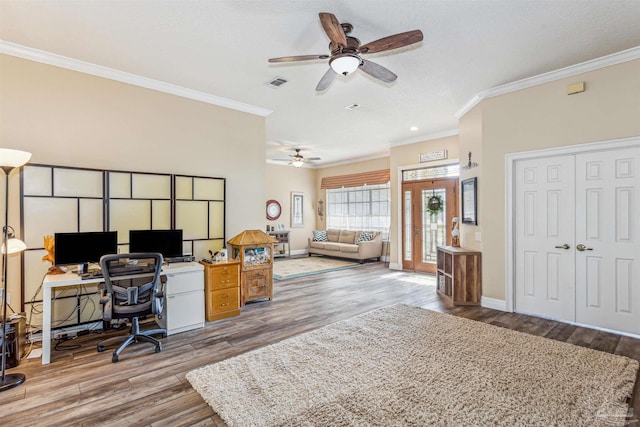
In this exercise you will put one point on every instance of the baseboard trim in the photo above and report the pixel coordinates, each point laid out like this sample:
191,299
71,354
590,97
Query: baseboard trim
395,266
494,303
299,252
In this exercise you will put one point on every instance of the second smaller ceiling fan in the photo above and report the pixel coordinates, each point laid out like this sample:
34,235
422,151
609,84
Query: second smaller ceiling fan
298,160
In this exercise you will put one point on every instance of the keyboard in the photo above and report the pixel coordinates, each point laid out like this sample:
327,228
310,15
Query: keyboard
117,271
123,271
91,275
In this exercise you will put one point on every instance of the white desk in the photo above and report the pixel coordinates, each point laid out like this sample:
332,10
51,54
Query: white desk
180,316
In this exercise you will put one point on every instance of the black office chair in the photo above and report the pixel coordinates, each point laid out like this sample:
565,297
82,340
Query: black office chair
130,291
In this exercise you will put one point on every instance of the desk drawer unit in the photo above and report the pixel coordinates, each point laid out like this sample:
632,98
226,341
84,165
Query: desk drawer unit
222,289
184,305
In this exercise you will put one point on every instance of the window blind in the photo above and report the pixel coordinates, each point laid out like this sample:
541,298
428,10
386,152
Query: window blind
356,180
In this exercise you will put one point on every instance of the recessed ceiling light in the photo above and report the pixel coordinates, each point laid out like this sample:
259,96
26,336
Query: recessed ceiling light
413,128
352,107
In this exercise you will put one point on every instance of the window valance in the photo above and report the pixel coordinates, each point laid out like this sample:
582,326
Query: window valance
356,180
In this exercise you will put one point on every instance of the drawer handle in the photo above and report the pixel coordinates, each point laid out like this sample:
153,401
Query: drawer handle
225,305
225,295
225,272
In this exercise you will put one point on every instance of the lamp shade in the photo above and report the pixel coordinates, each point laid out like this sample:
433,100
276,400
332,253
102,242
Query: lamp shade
297,163
345,63
15,246
13,158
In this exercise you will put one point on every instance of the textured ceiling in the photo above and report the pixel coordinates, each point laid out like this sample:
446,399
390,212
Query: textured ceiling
221,47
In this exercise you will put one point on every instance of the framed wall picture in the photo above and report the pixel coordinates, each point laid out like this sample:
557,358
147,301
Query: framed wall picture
470,201
297,212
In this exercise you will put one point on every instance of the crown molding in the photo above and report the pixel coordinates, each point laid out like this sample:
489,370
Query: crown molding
428,137
60,61
572,70
352,161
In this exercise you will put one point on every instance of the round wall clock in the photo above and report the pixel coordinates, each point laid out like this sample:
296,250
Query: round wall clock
273,210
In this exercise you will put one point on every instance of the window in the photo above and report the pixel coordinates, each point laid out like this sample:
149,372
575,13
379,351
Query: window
360,208
452,170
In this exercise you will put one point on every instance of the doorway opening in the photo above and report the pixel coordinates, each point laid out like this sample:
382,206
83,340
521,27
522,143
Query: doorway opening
423,227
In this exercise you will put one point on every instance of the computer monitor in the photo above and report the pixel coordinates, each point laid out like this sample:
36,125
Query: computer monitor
167,242
83,248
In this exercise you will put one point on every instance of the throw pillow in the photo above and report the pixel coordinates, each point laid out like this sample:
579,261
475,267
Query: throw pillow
320,236
364,237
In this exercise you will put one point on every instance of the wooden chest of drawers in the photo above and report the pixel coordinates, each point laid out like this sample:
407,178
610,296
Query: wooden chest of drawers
222,289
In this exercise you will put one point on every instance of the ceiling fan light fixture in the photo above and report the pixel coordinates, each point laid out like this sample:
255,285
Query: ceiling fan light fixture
345,63
297,163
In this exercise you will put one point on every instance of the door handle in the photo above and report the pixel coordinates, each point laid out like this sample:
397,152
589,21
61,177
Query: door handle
582,247
565,246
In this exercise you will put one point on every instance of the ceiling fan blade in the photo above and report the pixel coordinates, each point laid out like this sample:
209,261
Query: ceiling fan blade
377,71
326,80
312,158
298,58
333,29
392,42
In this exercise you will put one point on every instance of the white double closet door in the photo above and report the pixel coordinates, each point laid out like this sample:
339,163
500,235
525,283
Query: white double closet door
577,238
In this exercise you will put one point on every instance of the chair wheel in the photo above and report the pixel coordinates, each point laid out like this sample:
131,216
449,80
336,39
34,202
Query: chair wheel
100,348
158,348
114,358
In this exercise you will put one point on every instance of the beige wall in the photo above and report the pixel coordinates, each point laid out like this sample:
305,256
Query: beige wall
470,137
281,181
407,156
73,119
536,118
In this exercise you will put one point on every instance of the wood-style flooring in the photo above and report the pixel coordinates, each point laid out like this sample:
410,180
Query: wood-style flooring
83,388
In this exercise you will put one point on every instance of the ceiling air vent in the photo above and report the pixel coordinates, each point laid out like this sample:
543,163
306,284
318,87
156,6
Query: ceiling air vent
276,82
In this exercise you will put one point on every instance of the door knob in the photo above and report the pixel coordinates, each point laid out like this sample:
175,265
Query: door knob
582,247
565,246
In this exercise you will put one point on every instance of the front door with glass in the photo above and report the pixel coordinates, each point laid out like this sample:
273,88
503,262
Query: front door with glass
425,226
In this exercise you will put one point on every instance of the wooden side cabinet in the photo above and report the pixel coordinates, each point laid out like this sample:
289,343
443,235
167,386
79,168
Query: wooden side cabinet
282,247
257,283
221,289
459,275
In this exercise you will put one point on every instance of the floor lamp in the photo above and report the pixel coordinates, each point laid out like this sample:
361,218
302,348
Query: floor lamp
9,160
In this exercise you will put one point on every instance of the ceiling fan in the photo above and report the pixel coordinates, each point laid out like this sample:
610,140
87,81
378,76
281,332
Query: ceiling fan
298,159
346,50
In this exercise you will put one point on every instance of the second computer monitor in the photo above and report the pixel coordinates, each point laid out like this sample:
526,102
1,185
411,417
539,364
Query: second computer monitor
166,242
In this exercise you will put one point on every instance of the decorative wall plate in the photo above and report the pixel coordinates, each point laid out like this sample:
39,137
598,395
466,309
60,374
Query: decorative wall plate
273,210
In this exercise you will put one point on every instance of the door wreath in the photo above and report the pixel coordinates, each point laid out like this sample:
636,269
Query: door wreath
434,204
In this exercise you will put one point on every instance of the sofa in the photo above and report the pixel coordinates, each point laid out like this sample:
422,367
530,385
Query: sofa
358,245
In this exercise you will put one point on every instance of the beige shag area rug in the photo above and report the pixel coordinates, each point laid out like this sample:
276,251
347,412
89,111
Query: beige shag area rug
404,365
299,267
